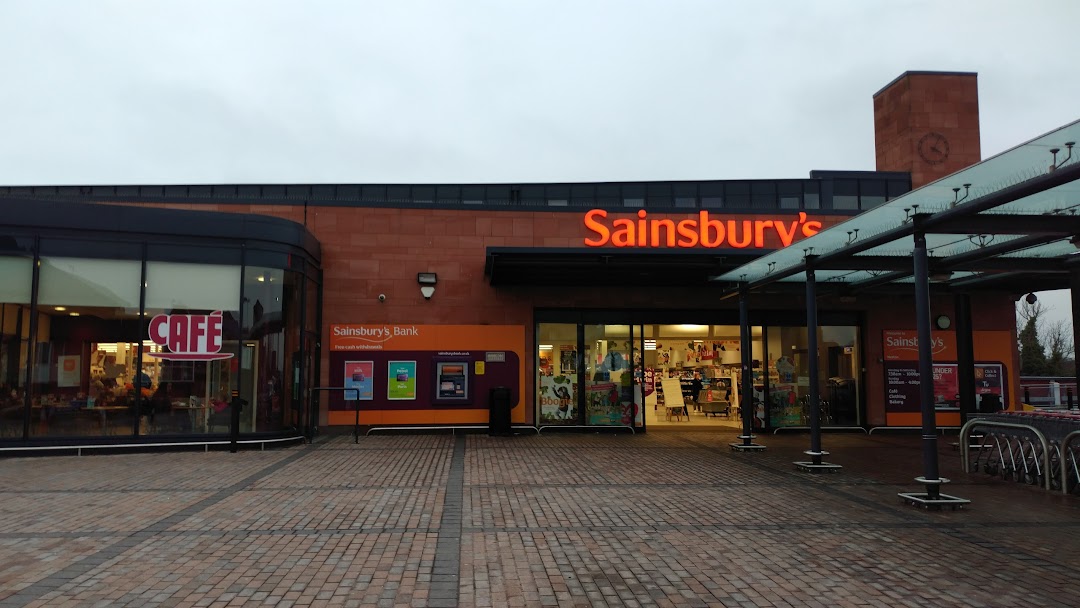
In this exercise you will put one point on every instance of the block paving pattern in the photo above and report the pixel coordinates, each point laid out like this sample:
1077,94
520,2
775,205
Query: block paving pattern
663,519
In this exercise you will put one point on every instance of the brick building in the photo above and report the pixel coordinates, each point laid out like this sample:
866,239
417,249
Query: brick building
585,300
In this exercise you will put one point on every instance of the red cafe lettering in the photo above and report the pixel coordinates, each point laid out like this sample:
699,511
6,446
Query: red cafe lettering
699,231
188,337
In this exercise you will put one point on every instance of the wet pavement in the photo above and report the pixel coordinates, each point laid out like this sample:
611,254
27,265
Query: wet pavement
663,519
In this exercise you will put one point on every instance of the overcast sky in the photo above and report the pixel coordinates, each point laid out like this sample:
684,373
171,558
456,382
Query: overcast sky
263,91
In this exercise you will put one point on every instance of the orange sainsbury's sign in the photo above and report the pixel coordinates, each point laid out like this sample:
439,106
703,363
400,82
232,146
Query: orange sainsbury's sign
696,231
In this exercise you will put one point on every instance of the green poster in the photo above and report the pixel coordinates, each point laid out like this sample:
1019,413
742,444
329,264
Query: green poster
401,380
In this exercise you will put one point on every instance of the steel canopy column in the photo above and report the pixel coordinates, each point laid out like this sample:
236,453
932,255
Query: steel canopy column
814,398
746,389
965,356
930,478
926,369
1074,293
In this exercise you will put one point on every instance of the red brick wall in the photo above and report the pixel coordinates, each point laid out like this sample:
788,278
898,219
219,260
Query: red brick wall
917,104
372,251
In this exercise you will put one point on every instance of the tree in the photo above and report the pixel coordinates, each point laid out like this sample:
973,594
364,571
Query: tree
1058,339
1032,354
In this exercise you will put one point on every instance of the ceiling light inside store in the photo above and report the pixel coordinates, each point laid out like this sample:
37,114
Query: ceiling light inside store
650,344
74,314
260,278
545,347
107,348
61,308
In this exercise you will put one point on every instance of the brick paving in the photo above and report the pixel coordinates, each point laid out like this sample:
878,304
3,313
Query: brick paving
664,519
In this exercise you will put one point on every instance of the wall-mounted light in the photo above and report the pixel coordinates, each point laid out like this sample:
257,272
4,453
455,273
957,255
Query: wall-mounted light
427,282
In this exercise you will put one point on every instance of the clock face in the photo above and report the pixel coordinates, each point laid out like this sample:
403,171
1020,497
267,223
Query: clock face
943,322
933,148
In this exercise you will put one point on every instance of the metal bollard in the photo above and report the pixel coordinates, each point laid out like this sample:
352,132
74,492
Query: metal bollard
1027,395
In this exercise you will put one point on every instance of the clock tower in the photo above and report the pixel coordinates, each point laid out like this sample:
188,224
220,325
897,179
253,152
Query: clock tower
927,123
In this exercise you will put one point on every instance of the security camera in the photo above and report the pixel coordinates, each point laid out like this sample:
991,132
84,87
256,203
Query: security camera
382,297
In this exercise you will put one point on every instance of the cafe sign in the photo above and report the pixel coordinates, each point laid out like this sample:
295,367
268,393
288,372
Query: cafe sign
699,231
188,337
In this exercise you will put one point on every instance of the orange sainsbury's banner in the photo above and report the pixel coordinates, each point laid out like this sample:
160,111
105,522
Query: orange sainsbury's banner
903,345
900,351
451,368
701,230
427,337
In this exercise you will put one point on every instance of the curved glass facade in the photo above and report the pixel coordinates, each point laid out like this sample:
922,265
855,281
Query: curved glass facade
131,341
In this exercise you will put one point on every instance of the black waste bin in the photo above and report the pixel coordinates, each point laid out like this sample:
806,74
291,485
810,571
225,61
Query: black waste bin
499,411
989,403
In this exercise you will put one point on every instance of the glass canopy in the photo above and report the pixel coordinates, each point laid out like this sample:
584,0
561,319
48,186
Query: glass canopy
1029,161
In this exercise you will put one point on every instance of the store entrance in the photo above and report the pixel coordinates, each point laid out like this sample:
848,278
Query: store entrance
689,376
644,375
692,375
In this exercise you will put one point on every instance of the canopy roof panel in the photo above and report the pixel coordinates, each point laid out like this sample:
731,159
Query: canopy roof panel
1023,204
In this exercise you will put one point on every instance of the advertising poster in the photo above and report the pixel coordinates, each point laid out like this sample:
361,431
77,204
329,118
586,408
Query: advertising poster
401,380
360,375
901,365
603,406
902,384
558,403
567,359
68,370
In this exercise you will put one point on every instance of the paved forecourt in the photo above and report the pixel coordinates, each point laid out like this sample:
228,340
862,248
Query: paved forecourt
664,519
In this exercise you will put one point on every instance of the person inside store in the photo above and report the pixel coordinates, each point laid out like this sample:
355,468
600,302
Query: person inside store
696,387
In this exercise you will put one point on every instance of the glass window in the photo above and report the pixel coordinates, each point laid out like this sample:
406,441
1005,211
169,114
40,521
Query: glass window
373,194
472,195
311,309
193,396
532,195
449,195
790,195
712,195
788,373
812,195
398,194
558,196
582,195
738,195
609,387
86,356
845,194
423,194
871,193
685,195
659,195
14,340
557,373
633,195
608,195
898,188
838,369
498,195
271,317
763,195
